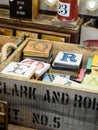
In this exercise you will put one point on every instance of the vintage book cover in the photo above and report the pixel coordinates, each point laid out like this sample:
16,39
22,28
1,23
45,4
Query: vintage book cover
38,48
94,68
39,67
95,61
42,59
48,60
68,60
64,67
67,82
89,65
90,82
80,76
94,71
18,69
62,71
49,77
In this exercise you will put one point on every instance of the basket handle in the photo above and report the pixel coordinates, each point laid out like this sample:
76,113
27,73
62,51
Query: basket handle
6,50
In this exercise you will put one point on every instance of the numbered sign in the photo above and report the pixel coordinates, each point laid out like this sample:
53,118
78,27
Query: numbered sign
67,10
64,9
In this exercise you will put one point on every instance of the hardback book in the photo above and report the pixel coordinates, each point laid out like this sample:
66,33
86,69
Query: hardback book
80,76
67,82
64,67
40,67
94,67
49,77
68,60
38,48
94,71
18,69
95,61
42,59
90,82
89,65
63,71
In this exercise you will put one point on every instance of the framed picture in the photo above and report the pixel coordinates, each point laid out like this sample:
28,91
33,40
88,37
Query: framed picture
28,9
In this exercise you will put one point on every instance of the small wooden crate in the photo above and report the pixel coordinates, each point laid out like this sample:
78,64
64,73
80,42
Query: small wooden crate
41,105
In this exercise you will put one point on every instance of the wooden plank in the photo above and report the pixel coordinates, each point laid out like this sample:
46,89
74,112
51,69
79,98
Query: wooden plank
42,22
6,39
17,127
3,115
35,6
73,108
5,31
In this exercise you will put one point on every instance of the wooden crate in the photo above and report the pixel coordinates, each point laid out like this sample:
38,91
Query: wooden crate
50,106
4,40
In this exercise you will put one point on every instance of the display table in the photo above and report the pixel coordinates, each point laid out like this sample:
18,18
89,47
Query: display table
43,27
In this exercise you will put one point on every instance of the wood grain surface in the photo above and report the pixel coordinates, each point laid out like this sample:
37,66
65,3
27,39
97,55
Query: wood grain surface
15,127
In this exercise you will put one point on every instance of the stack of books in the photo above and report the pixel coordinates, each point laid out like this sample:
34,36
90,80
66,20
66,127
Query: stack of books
38,50
67,63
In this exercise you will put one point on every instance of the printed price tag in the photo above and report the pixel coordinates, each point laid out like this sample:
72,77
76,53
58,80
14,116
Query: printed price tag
64,9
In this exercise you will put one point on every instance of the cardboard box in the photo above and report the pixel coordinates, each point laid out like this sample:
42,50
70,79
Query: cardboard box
41,105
